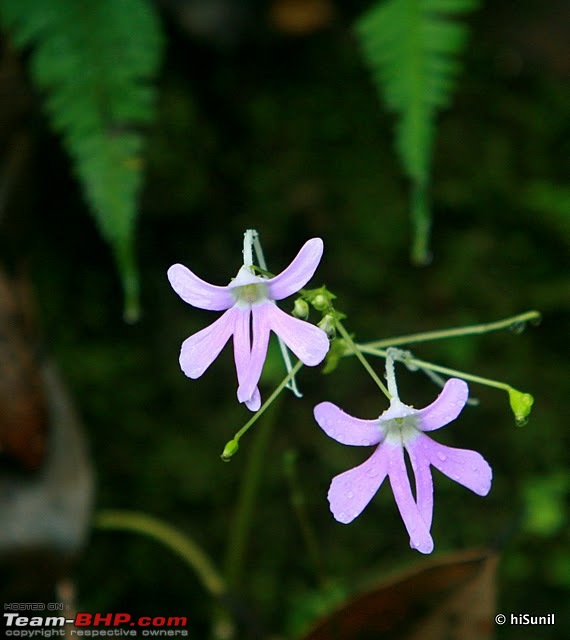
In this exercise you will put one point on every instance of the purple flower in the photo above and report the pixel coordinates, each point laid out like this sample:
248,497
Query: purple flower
402,427
250,315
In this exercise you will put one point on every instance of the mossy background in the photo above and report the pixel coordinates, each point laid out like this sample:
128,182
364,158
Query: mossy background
286,135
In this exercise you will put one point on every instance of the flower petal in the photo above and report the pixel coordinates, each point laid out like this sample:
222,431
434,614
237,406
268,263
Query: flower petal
309,343
299,272
466,467
352,490
344,428
424,481
242,355
260,328
446,407
202,348
198,293
254,403
420,537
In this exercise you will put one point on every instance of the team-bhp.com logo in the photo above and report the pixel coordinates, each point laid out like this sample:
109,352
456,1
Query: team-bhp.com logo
95,625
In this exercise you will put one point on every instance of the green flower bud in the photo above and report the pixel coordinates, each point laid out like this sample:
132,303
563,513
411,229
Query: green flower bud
320,302
229,450
328,325
521,404
301,309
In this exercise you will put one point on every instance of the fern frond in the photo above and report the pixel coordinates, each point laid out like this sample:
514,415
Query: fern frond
95,61
412,48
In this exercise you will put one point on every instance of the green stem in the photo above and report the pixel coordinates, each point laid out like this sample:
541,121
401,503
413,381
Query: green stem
423,364
262,409
476,329
299,505
243,516
170,537
358,353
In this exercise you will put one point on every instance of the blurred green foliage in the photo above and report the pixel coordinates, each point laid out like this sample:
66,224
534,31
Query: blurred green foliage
413,50
95,62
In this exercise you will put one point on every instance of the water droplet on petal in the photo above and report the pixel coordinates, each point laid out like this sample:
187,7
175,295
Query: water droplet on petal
366,442
342,516
455,477
372,473
442,456
350,495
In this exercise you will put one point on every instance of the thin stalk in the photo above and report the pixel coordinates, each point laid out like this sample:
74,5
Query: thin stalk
178,542
299,505
423,364
475,329
266,404
358,353
243,516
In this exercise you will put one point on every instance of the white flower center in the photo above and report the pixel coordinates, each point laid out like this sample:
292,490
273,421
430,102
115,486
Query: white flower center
401,430
250,293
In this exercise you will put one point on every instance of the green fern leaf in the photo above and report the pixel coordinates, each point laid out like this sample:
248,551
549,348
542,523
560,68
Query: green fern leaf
95,61
412,48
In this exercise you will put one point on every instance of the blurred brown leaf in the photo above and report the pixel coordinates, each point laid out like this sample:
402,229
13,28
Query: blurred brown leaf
45,515
448,598
23,408
301,17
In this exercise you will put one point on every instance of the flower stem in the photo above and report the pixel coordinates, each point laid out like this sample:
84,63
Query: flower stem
243,515
263,407
299,505
170,537
358,352
423,364
476,329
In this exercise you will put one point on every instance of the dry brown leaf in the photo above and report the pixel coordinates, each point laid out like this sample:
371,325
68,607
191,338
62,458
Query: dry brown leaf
448,598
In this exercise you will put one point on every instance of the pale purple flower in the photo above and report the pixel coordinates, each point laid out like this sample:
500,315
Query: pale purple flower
401,428
250,315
